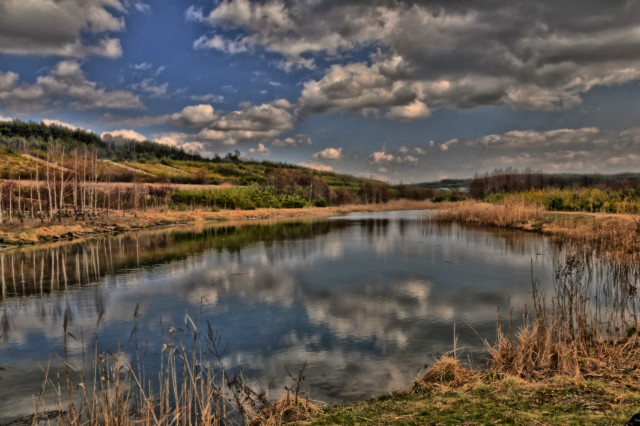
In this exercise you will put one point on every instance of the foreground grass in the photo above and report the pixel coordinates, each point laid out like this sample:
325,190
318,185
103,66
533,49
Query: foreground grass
510,401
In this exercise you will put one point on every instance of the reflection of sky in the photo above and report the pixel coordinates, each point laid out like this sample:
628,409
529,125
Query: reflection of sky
366,302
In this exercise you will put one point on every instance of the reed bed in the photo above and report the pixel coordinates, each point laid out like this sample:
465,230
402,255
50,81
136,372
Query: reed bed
612,235
583,330
588,326
510,214
191,387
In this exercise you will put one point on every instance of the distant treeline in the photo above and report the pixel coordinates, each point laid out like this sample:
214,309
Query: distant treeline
514,181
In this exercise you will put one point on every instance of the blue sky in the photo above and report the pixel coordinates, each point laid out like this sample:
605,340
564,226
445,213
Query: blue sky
403,90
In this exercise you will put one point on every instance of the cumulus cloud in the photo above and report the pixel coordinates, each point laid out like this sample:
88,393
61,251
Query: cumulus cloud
60,123
531,139
328,154
260,151
65,82
416,110
122,134
196,115
435,54
584,150
296,140
381,157
384,157
252,123
316,166
69,28
358,88
219,43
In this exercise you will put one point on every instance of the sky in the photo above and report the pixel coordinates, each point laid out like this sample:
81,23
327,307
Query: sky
398,90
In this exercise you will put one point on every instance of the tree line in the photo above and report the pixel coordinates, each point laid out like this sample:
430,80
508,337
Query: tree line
510,181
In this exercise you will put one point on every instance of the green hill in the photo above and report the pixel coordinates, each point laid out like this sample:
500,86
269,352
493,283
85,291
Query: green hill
30,151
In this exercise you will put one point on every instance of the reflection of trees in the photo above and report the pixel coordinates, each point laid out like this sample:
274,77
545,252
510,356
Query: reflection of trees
57,268
510,240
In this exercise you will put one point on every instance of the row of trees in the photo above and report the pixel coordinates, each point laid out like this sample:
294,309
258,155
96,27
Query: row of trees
511,181
69,184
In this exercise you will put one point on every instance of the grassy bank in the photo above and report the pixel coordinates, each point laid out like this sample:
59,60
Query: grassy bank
613,234
500,401
31,232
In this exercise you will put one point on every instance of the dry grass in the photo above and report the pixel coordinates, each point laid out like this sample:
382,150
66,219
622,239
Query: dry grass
616,235
588,326
512,214
288,409
449,372
190,387
30,232
581,331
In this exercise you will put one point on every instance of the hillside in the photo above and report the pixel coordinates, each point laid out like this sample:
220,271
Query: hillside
68,159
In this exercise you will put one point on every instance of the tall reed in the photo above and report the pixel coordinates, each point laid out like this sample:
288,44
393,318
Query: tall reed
584,329
190,387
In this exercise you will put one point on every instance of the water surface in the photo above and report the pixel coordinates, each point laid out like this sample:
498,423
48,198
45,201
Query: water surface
365,299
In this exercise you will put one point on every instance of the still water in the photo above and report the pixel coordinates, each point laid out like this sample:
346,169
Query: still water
365,299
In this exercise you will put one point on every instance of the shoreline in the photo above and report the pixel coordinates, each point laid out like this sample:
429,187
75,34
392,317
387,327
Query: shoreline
488,400
34,234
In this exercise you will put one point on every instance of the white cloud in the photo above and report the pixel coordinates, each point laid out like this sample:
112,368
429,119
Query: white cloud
328,154
260,151
209,97
2,118
143,66
252,123
437,54
153,88
69,28
123,134
381,157
417,110
316,166
196,115
219,43
446,145
171,138
60,123
297,140
358,88
65,82
531,138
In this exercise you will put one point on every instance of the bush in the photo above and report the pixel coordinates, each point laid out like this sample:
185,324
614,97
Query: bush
320,202
245,198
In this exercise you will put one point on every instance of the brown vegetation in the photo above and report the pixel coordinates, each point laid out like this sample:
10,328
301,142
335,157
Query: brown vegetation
616,235
447,371
32,231
506,215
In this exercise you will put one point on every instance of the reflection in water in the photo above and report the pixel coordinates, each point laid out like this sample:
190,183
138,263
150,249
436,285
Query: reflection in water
365,300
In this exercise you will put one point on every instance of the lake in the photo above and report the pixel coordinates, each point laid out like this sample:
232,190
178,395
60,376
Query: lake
365,299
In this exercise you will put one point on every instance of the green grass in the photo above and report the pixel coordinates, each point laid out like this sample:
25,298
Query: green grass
583,199
505,402
244,198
